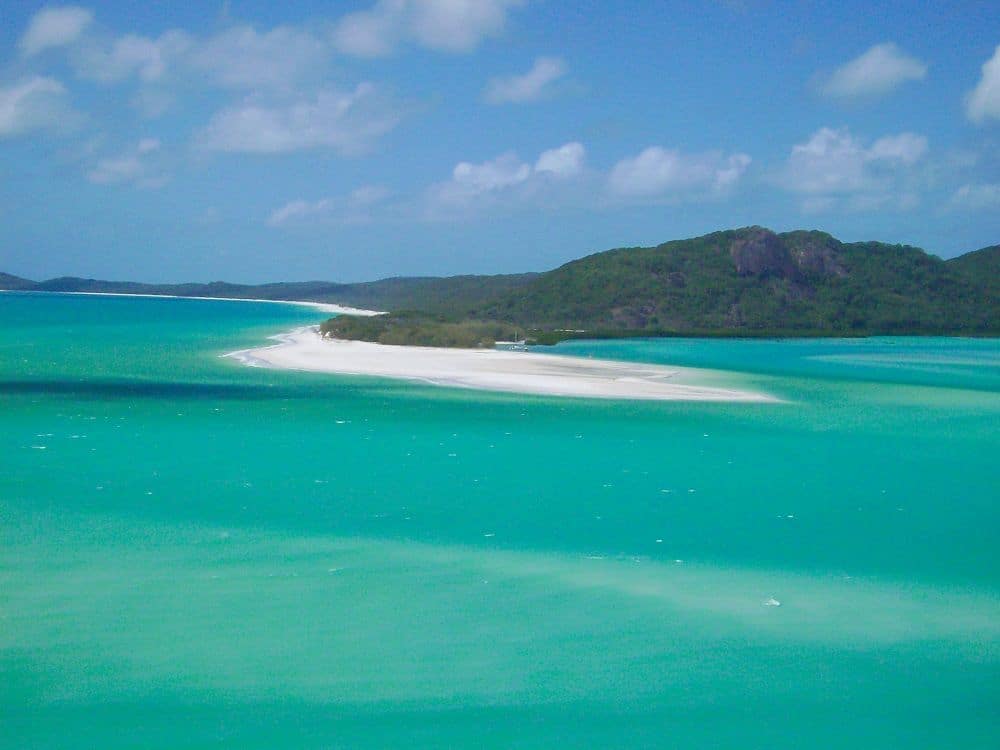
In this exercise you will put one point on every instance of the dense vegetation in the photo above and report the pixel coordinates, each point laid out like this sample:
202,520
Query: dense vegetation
418,329
982,267
753,281
453,293
747,282
742,282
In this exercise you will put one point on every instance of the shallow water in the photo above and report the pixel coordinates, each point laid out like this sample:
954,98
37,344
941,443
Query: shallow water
199,554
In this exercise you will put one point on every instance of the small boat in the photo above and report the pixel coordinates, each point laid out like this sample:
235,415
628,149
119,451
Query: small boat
772,602
517,345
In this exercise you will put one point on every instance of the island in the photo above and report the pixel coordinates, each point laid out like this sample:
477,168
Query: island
747,282
750,282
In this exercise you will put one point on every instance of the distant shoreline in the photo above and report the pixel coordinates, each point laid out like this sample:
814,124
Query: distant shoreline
304,349
321,306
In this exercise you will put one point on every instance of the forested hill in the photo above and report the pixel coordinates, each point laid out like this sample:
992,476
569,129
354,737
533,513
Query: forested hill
13,282
437,293
981,267
753,281
741,282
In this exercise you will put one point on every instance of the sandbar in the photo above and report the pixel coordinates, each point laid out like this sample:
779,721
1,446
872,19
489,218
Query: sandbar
487,369
327,307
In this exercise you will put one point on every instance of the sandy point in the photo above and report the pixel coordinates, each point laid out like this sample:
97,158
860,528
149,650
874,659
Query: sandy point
487,369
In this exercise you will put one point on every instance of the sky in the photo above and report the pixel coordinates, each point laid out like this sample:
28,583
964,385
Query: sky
255,141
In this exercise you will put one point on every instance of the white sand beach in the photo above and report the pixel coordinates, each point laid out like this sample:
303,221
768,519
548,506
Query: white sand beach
321,306
486,369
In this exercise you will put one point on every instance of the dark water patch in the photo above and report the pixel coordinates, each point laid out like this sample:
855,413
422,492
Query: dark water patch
158,389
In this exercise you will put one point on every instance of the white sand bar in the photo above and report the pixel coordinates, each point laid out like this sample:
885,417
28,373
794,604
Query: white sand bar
486,369
328,307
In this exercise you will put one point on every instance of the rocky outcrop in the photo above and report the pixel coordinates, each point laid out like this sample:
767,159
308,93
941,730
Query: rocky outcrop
760,252
794,256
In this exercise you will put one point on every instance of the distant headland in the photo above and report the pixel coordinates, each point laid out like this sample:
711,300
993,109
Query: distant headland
747,282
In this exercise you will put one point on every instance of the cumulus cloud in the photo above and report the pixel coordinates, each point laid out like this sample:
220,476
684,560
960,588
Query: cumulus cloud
834,161
355,208
563,162
241,57
977,197
878,71
501,172
54,27
346,122
833,164
983,101
508,180
136,166
659,172
33,103
445,25
237,57
129,55
904,148
560,177
531,86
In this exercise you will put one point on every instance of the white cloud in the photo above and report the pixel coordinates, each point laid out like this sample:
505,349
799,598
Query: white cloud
563,162
135,166
977,197
878,71
32,104
501,172
904,148
130,55
241,57
458,25
346,122
355,208
238,57
54,27
834,161
297,209
657,172
834,165
559,178
371,33
984,100
508,180
831,161
445,25
529,87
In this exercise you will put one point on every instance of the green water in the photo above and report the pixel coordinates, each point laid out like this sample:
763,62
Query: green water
195,554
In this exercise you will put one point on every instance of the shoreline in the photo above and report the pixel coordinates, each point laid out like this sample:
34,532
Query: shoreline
304,349
321,306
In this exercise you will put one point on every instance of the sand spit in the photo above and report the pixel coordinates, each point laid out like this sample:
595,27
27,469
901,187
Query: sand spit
486,369
321,306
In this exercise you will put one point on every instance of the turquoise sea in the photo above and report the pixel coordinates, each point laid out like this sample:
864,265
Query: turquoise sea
199,554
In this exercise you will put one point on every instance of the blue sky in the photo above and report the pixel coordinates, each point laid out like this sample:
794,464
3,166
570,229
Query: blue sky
261,141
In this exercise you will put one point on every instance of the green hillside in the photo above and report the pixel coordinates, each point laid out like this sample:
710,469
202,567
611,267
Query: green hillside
454,293
457,295
981,267
752,281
